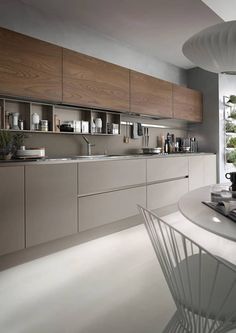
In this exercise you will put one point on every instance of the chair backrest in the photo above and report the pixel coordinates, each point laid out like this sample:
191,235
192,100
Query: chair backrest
200,283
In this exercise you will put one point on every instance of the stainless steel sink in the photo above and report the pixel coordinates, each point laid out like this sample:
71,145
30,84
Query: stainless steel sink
89,156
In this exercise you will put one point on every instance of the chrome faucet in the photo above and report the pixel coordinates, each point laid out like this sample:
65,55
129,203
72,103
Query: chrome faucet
89,145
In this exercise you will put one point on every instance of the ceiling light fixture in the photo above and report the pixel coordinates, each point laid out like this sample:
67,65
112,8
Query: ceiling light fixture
214,48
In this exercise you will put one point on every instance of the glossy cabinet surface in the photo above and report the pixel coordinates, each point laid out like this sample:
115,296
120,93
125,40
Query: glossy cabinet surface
91,82
107,175
150,96
51,202
97,210
12,229
29,67
187,104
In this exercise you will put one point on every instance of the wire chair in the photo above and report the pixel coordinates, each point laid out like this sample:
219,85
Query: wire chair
203,286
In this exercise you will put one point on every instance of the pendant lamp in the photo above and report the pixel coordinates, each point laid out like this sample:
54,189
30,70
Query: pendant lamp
214,48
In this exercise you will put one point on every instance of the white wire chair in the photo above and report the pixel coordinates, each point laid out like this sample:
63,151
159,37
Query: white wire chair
203,286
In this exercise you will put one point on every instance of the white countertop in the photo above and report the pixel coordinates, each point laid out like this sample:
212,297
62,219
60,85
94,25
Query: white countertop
191,206
77,159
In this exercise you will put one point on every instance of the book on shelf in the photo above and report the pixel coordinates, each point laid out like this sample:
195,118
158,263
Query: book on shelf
226,208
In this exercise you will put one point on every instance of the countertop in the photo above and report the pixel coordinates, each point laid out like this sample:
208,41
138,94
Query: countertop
79,159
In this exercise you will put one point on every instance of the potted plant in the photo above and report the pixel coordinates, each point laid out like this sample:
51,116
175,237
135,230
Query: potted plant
6,145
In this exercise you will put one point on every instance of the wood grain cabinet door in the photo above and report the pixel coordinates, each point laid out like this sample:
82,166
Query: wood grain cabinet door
187,104
51,202
91,82
150,96
29,67
12,229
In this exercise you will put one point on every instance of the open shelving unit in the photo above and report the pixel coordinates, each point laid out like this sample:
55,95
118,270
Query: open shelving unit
53,113
229,135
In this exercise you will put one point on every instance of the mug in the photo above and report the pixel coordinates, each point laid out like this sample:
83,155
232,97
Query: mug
232,177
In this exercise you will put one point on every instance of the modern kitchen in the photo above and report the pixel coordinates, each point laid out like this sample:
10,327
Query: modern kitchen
117,166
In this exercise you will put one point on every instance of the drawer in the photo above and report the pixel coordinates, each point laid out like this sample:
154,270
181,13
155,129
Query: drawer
167,193
100,209
166,168
102,176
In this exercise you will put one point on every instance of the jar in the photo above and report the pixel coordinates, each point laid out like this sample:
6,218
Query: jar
44,125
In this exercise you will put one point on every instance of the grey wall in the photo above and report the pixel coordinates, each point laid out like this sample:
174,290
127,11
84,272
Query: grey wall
208,131
69,145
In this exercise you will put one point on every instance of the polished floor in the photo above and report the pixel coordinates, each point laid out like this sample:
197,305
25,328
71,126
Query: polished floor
109,285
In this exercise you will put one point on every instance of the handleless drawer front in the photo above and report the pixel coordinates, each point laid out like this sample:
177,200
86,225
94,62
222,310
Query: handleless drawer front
159,169
97,210
167,193
11,209
51,202
95,177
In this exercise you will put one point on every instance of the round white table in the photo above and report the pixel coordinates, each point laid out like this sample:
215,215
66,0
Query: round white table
193,209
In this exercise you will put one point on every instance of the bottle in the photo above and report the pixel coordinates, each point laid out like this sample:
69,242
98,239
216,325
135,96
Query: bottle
93,127
98,123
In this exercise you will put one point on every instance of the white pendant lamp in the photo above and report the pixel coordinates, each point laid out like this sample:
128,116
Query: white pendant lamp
214,48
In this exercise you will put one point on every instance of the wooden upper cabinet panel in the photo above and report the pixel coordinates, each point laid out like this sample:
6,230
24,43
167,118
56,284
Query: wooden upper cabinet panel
91,82
29,67
187,104
150,95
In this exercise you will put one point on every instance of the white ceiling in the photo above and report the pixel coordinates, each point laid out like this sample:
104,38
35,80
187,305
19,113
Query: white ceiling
225,9
155,27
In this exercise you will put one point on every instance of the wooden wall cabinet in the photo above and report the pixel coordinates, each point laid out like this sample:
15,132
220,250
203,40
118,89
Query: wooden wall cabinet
12,228
51,202
91,82
150,96
187,104
29,67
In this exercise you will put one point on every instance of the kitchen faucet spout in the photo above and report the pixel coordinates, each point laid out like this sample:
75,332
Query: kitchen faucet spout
89,145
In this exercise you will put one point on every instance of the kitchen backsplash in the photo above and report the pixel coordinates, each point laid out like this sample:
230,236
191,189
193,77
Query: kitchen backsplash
67,144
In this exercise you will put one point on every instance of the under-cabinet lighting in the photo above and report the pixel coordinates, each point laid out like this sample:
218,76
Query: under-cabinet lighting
144,125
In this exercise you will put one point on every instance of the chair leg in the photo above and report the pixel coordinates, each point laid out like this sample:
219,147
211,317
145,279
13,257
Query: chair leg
174,325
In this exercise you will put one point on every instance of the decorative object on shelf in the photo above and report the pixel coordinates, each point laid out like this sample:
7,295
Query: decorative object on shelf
44,125
35,122
98,124
57,123
213,48
15,120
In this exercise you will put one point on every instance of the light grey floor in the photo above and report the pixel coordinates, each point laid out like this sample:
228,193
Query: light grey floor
108,285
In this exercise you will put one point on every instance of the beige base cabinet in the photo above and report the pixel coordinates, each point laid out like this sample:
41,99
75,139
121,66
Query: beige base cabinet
12,230
51,202
159,169
166,193
97,210
102,176
202,171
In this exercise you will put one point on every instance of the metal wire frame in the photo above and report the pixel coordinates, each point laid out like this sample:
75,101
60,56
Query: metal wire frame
202,285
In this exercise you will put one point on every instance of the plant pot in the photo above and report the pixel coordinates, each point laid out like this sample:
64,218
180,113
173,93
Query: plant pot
6,157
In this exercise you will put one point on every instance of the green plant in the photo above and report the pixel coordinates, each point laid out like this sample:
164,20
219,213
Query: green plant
233,115
6,139
231,143
18,140
230,127
231,157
